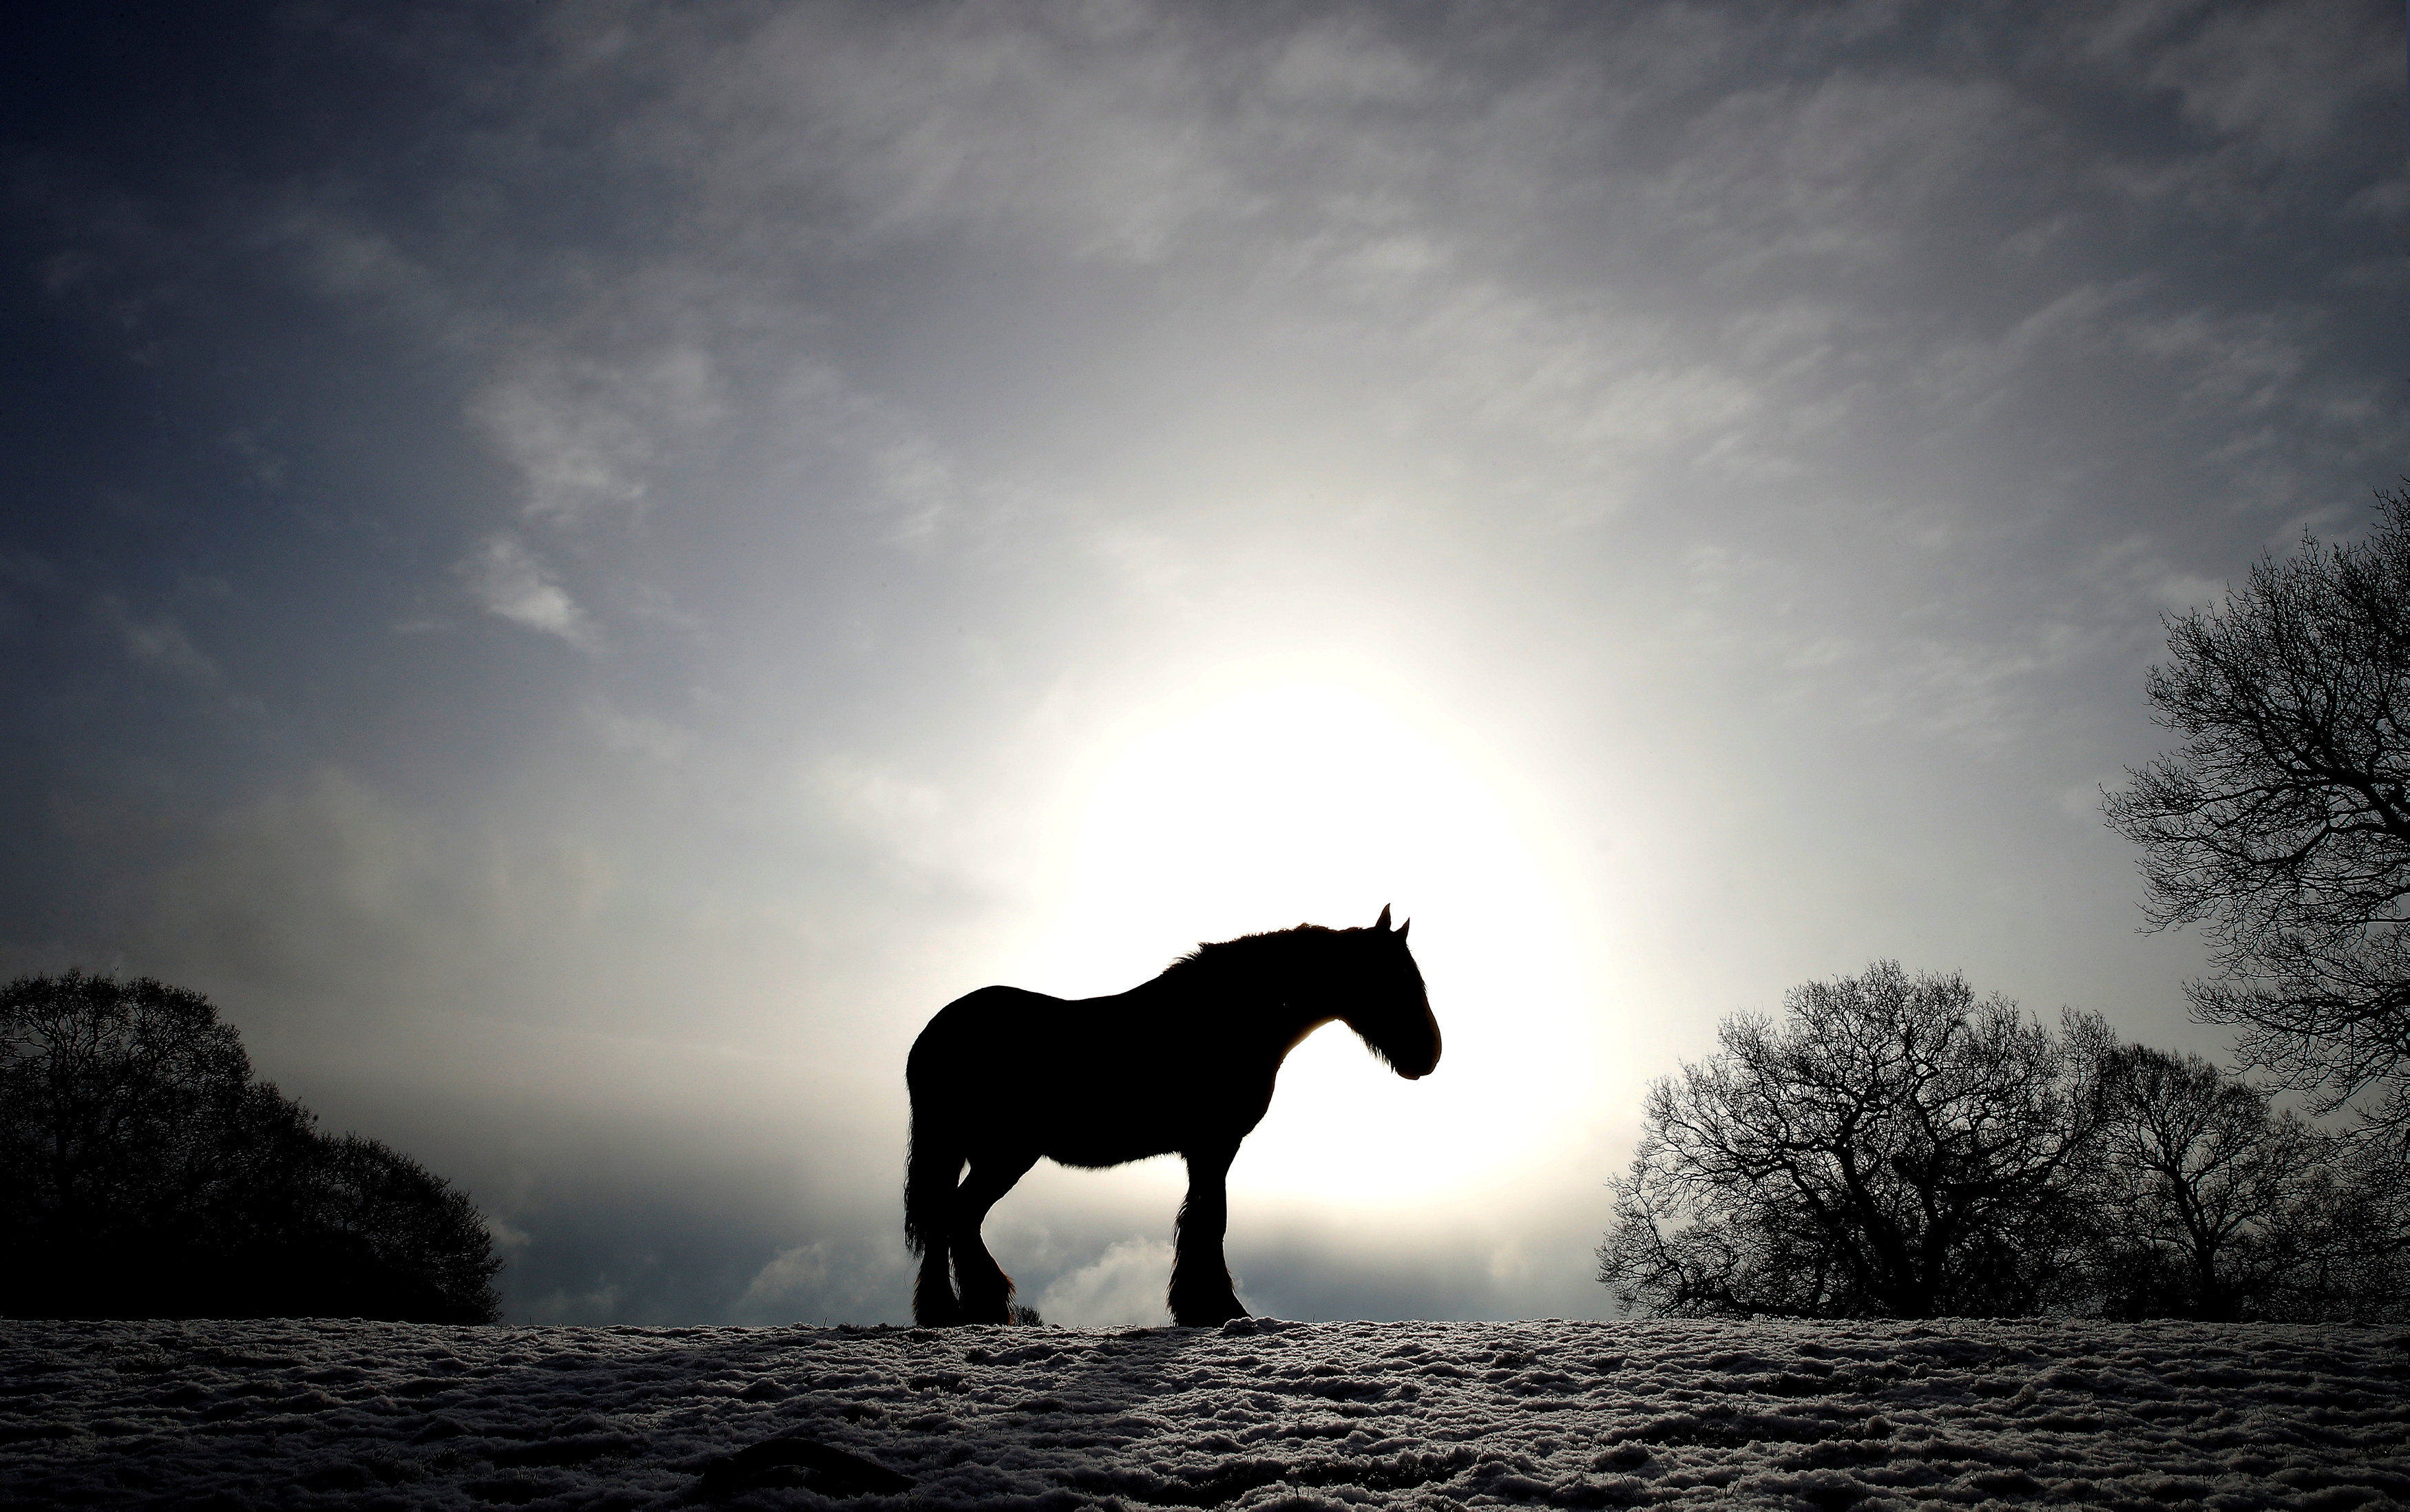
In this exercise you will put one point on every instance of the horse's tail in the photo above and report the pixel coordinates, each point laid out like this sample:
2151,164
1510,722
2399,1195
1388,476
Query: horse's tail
931,1168
932,1165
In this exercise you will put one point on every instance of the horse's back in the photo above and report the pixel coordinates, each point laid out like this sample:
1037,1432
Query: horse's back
977,1033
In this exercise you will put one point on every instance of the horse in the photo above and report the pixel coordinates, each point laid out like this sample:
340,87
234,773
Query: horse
1182,1065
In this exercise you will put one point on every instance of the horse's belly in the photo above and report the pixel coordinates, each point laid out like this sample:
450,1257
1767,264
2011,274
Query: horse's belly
1112,1132
1094,1152
1108,1132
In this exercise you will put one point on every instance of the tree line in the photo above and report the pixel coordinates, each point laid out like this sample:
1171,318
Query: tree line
1892,1146
144,1173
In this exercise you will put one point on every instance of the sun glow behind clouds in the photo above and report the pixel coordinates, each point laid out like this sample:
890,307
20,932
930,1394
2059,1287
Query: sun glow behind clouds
1312,803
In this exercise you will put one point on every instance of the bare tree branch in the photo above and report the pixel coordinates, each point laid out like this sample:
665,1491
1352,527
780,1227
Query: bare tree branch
2282,827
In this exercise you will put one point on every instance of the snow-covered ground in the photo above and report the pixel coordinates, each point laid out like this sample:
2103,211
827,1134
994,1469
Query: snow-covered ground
1255,1414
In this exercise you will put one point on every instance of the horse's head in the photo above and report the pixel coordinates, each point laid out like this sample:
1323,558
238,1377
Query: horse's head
1385,1003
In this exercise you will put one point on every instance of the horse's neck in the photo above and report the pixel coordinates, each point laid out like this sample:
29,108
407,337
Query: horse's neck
1276,1009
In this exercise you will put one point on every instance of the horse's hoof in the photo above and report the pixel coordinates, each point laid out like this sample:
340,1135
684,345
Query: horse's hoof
1211,1315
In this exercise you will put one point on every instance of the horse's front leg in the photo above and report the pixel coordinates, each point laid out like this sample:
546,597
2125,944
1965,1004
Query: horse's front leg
1202,1294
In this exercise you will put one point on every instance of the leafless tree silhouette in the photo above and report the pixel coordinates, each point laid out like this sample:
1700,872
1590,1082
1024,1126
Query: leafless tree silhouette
2282,827
1891,1148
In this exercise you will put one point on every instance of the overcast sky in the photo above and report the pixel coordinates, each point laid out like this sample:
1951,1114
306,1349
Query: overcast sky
583,567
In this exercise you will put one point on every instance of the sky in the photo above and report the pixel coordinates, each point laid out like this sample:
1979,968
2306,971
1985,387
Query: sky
582,569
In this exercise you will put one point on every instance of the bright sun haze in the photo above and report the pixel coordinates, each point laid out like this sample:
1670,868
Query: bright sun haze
1312,803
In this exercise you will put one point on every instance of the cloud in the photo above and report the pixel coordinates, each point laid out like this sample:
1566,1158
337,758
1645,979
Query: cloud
338,256
640,735
327,898
586,433
914,834
1348,63
1123,1288
330,905
508,580
790,1271
2267,100
1844,169
2282,79
562,1305
1080,129
157,642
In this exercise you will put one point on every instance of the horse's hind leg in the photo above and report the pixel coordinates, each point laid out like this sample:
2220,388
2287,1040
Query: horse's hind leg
1201,1293
986,1291
933,1303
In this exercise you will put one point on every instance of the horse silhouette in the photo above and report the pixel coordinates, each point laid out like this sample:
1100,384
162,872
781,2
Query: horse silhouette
1183,1064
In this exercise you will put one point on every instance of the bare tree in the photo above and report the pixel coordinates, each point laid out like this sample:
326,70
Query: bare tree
1891,1148
2210,1204
2355,1261
2282,827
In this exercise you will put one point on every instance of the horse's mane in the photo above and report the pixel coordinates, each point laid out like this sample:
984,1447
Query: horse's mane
1214,957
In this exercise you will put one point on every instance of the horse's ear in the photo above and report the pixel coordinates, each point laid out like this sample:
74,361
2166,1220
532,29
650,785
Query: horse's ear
1403,928
1383,923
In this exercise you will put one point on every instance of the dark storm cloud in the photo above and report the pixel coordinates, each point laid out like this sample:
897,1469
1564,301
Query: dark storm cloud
582,565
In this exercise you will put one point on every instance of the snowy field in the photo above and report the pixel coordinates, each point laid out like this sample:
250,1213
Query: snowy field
1255,1414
